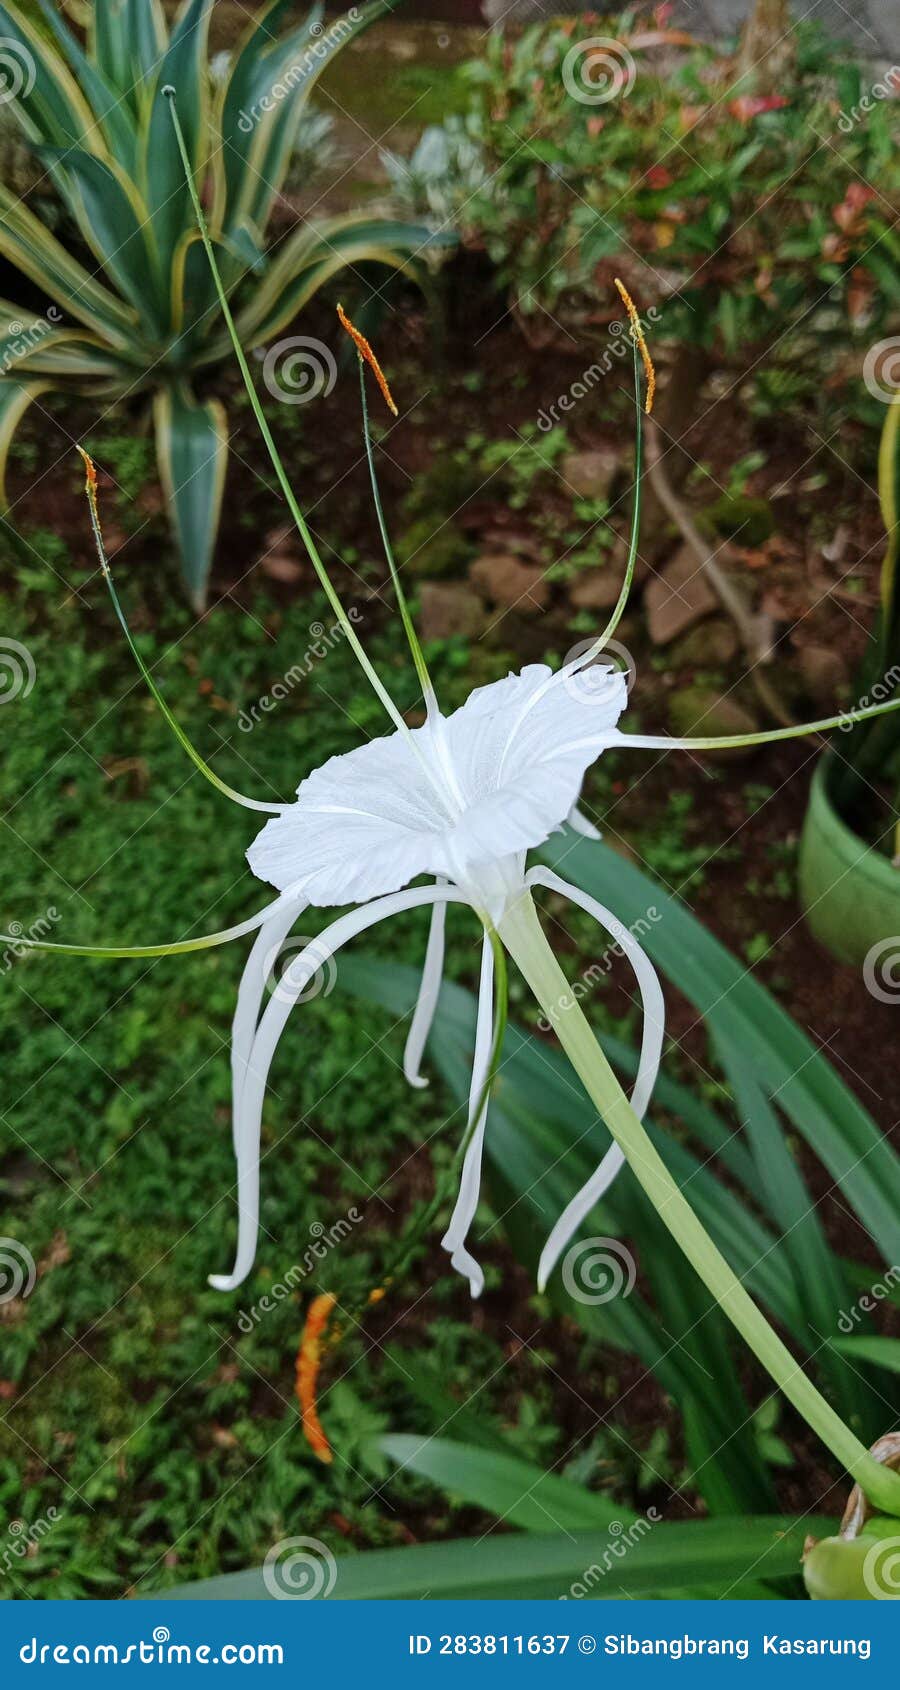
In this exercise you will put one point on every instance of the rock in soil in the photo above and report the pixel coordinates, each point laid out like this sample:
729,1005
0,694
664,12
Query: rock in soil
699,711
591,474
506,581
597,590
707,646
447,608
824,673
677,598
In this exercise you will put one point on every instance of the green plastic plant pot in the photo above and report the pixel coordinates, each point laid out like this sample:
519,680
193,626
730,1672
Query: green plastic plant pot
850,892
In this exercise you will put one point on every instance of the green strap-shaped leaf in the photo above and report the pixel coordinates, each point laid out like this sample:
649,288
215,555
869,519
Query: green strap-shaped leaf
15,398
114,119
292,72
31,248
726,1557
192,451
312,255
520,1493
234,108
162,172
127,40
40,90
889,495
877,1352
822,1108
821,1285
115,223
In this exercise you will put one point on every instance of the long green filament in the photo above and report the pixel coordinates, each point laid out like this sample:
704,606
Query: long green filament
109,953
302,528
521,932
660,742
418,655
622,600
182,738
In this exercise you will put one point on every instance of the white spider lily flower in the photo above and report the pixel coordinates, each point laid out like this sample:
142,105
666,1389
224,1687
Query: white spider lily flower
463,798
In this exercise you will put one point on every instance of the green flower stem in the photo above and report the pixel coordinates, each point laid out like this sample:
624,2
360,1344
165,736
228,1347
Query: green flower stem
523,936
286,488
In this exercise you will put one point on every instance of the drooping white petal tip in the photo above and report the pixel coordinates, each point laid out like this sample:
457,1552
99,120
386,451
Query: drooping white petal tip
223,1281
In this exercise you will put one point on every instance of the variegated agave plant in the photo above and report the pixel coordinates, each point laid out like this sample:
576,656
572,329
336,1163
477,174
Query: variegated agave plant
135,311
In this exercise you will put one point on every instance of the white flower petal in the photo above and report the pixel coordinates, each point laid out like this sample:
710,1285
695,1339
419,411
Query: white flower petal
364,824
426,1002
248,1123
484,784
454,1239
654,1010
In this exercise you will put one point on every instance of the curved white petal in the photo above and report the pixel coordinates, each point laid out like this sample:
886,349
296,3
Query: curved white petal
426,1002
274,1018
654,1011
243,1027
486,783
509,746
470,1180
580,823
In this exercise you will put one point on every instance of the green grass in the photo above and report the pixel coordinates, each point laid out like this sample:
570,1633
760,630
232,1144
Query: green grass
166,1438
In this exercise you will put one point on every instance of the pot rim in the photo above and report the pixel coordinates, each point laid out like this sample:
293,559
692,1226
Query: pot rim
857,856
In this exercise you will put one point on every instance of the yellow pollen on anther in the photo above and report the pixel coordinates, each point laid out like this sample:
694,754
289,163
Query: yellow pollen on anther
640,341
309,1361
365,351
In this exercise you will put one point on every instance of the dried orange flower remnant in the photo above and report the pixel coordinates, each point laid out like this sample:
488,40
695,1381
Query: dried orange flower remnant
309,1361
365,351
641,343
